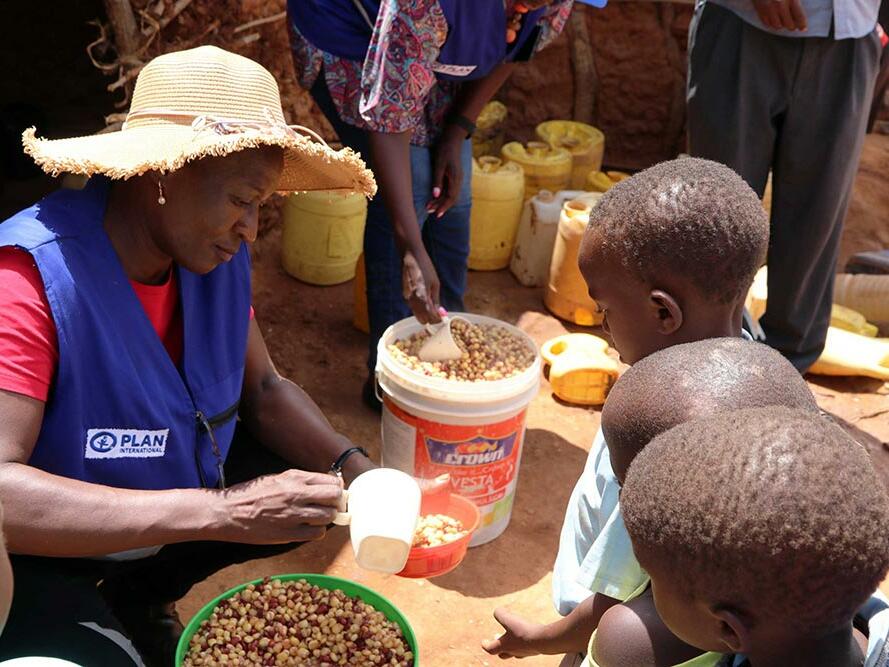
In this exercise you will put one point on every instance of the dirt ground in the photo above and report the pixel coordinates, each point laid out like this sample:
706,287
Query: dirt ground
311,338
310,335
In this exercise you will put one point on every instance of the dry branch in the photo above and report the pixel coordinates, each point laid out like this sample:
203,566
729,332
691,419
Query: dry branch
259,22
123,22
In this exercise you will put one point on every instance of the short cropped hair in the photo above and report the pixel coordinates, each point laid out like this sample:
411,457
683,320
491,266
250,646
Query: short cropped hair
692,380
688,217
770,509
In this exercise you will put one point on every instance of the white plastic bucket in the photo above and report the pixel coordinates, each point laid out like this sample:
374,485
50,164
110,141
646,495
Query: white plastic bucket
473,431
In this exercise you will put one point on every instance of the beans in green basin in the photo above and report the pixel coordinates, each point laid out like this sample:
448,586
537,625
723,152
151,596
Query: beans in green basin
490,352
296,623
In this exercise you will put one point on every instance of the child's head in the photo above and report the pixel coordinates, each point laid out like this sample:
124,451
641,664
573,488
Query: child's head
759,528
670,253
694,380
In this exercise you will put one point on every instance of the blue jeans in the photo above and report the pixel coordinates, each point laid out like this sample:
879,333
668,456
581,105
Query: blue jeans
446,239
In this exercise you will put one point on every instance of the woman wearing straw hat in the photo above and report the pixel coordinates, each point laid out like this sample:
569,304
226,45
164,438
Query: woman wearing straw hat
128,352
403,83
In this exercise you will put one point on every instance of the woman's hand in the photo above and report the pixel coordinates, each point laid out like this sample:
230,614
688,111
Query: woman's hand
292,506
420,285
447,171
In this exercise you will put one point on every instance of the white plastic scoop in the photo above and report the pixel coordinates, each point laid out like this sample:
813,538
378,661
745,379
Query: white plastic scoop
441,346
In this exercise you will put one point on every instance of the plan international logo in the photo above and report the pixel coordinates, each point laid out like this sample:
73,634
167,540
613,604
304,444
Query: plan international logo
121,443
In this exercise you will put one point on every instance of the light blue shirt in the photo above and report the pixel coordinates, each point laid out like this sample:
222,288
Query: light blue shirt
876,613
595,553
851,18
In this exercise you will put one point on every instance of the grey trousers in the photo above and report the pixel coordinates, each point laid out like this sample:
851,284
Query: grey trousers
799,107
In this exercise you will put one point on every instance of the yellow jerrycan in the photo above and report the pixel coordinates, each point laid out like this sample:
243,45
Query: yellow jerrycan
497,193
841,317
603,181
566,294
847,353
545,168
850,348
868,294
580,369
538,225
489,129
758,294
359,298
847,319
585,143
323,236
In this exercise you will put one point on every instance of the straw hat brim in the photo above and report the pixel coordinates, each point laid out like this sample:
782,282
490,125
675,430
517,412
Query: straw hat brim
308,165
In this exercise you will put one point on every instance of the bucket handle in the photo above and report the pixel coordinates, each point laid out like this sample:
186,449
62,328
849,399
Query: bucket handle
377,388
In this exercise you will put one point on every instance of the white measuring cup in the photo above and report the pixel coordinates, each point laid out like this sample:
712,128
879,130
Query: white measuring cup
382,508
441,346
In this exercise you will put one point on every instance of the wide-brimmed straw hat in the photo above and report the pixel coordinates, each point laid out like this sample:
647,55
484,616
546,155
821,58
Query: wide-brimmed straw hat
197,103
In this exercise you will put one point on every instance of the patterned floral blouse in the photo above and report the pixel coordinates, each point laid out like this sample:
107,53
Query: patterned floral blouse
395,88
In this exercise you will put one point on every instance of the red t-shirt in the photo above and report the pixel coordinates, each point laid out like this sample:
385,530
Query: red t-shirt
29,350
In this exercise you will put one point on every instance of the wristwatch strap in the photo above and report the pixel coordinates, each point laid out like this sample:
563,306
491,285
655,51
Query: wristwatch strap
337,467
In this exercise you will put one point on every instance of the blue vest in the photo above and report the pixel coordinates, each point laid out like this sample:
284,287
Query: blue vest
120,413
475,43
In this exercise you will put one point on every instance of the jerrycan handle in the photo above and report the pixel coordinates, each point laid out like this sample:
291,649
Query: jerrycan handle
538,149
489,163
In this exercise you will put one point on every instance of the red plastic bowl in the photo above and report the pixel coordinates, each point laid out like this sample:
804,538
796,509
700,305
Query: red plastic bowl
427,562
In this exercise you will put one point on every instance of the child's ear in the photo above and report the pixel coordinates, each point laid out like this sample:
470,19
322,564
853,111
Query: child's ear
666,310
734,629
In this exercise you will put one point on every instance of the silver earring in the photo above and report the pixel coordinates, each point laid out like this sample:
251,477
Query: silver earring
160,194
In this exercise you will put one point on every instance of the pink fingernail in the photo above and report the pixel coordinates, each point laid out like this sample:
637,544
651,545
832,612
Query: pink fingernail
442,311
436,192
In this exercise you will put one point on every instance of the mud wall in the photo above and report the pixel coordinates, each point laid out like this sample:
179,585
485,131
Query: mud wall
634,92
621,68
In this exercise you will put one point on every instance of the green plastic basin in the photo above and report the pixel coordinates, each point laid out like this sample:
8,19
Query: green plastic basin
350,588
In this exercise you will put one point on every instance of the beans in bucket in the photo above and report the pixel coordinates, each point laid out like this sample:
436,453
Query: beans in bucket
464,418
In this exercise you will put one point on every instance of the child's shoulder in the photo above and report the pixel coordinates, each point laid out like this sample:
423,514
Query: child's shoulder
632,634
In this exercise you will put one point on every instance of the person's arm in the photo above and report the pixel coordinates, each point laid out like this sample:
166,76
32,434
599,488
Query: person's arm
570,634
390,155
447,173
54,516
283,417
49,515
474,95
